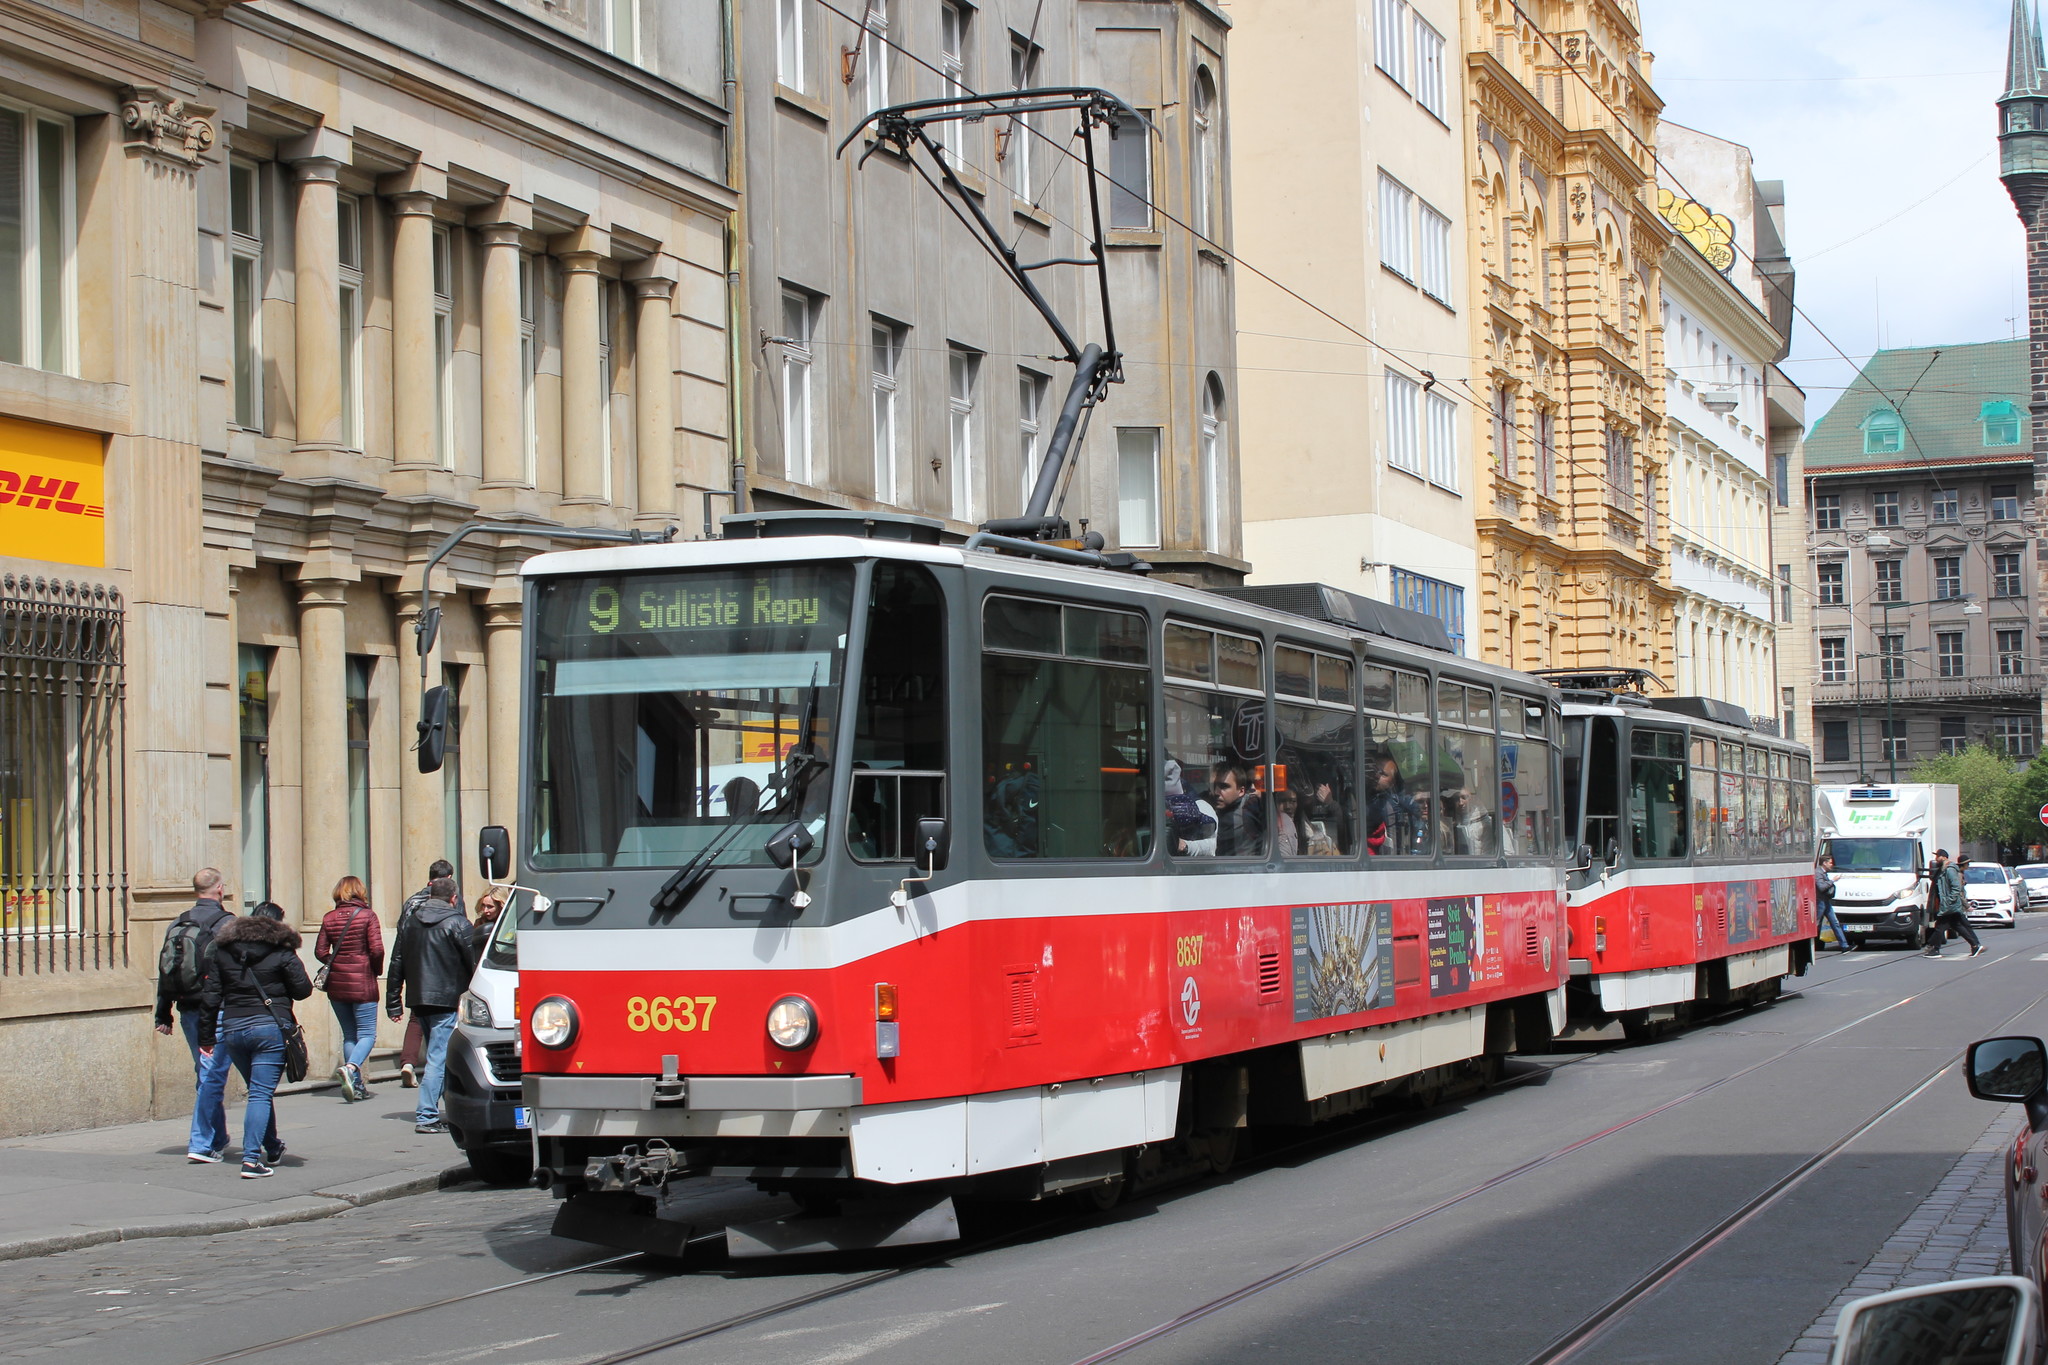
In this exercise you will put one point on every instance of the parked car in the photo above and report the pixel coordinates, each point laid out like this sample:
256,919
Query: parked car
2035,877
2023,895
482,1103
1990,895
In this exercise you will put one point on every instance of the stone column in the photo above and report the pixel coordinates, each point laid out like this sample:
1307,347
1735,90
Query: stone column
317,306
654,372
323,733
420,795
583,406
504,401
415,377
504,665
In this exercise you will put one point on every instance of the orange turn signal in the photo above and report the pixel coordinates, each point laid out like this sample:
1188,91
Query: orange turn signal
885,1001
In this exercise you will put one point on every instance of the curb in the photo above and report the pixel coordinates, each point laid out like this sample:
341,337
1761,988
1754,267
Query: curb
302,1208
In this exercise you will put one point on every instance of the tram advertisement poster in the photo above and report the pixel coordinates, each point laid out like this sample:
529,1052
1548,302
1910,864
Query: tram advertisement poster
1461,931
1343,959
1784,906
1744,921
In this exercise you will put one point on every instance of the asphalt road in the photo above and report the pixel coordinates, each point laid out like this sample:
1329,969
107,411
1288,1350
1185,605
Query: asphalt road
1484,1231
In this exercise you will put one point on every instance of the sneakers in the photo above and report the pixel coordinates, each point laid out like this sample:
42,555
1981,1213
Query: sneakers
1976,950
207,1158
352,1087
348,1091
253,1169
1930,952
408,1078
273,1155
437,1126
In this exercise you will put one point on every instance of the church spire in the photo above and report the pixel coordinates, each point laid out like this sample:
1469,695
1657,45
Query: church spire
2024,76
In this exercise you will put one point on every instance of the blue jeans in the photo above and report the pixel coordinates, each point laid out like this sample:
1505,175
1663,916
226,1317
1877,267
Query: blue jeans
209,1122
358,1029
1825,913
440,1026
257,1050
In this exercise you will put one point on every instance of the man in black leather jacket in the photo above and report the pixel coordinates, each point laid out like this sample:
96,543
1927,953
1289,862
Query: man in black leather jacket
432,958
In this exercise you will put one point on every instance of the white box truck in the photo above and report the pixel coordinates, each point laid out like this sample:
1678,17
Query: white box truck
1883,839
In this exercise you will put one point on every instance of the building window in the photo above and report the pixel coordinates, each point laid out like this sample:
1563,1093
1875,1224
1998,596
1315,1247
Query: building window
2001,421
1130,177
1404,437
1948,577
1215,451
953,49
2013,736
253,694
1015,151
799,317
2005,575
1390,44
1883,433
1954,734
1207,177
1429,68
529,364
1834,659
1621,469
360,669
877,58
1784,592
1031,388
1830,578
1431,597
1827,512
37,217
1788,725
885,367
2012,653
348,222
1443,440
1948,654
1137,481
789,43
452,677
245,284
1944,505
621,37
1884,509
1435,254
1891,580
1781,476
63,869
1505,457
444,345
1834,741
1397,227
1891,657
1892,740
963,387
1546,452
2005,502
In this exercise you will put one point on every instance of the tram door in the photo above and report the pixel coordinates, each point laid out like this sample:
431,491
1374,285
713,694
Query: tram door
1603,789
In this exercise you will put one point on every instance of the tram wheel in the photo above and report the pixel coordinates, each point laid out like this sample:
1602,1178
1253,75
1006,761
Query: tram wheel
1222,1145
1102,1198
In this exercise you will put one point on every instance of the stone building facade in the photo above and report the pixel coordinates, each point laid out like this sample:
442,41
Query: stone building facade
307,284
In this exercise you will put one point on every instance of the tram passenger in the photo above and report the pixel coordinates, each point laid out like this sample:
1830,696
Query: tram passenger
1326,828
1011,819
1240,813
1287,822
1193,819
1392,817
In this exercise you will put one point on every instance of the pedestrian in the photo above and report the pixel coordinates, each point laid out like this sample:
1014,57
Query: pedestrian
184,980
1824,901
351,944
1954,919
415,1037
432,958
489,906
257,966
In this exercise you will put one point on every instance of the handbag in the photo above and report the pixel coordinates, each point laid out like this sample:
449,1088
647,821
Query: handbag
320,977
295,1060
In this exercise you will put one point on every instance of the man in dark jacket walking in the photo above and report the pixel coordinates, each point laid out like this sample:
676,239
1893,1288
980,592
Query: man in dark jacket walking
432,958
184,980
415,1040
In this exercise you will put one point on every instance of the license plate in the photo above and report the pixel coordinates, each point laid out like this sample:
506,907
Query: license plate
522,1117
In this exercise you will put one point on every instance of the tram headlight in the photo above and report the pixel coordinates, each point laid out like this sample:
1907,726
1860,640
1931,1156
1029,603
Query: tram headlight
792,1023
554,1022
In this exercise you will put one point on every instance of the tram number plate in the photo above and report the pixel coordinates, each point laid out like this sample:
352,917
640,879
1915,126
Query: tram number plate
670,1013
1187,951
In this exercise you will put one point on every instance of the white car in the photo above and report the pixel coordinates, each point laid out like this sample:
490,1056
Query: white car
2034,876
1990,894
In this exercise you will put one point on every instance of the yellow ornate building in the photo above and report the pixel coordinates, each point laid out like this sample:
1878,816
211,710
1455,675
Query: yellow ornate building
1566,253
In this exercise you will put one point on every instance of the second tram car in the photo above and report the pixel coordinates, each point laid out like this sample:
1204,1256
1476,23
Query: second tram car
1699,890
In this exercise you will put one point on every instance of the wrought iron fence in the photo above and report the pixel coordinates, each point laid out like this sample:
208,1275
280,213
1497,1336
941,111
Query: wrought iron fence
63,783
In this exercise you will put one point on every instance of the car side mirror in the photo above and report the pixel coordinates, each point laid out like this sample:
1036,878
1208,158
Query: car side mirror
1992,1319
2008,1070
494,852
934,842
433,729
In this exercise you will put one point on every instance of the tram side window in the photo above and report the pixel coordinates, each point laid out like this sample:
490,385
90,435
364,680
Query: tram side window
1468,785
1572,743
1603,786
1730,842
1314,777
1216,737
1528,797
1781,805
1704,760
1758,806
1657,794
899,741
1397,767
1066,736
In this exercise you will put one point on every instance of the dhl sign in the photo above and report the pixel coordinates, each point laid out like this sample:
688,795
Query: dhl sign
52,493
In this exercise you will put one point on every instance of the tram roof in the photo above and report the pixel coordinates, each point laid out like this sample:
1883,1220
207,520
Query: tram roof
1094,582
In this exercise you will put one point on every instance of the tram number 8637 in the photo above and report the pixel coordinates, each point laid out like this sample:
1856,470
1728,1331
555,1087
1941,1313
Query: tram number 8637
670,1014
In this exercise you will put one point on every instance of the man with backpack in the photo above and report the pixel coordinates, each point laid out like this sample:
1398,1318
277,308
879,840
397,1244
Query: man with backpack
184,978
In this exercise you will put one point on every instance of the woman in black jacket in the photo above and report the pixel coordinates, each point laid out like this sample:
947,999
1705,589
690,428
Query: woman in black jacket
256,960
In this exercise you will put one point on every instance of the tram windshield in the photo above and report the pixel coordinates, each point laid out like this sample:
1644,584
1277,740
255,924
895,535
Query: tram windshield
683,713
1874,855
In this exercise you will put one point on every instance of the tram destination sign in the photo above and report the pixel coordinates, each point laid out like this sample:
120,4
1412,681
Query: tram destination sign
646,613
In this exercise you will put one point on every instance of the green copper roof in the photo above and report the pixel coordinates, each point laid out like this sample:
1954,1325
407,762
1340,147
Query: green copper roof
1935,404
2023,65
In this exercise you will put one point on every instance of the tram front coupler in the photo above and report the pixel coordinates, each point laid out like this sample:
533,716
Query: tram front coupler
646,1169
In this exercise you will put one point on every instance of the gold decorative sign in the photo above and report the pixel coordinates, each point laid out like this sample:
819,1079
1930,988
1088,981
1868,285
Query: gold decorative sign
52,493
1711,234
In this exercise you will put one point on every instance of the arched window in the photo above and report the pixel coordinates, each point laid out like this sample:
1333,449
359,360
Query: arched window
1503,243
2001,423
1215,452
1883,433
1539,255
1203,187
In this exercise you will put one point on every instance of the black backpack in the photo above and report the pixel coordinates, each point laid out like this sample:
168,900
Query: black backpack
186,959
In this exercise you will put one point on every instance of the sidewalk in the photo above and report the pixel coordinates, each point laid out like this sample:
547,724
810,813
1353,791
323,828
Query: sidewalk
62,1191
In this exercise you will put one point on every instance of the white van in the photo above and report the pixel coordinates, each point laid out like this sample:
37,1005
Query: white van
482,1103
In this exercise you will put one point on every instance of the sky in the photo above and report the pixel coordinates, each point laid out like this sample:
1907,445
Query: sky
1880,117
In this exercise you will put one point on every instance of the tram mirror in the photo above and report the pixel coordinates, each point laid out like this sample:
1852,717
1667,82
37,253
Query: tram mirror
494,852
2009,1069
789,843
1991,1320
433,729
1585,857
934,842
1613,852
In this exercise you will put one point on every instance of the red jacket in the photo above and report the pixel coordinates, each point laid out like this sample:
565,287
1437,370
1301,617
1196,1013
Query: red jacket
354,959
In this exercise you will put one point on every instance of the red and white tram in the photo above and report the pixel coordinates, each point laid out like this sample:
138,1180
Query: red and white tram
859,864
1699,892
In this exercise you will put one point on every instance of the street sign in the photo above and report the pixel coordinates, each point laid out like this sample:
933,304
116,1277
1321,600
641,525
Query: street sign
2044,815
